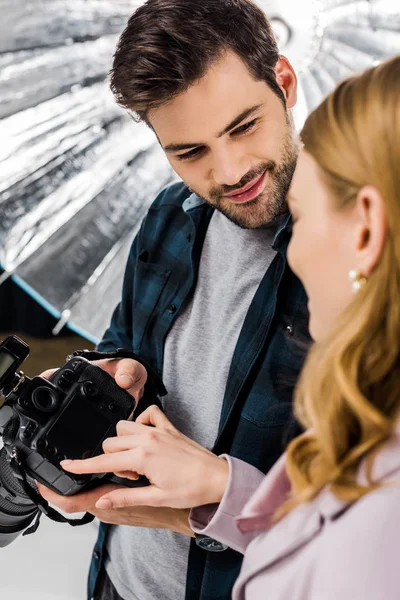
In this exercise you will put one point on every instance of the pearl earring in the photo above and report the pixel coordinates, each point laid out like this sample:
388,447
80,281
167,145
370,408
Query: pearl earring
358,280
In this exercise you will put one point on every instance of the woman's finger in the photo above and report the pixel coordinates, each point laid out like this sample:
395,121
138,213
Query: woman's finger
105,463
154,416
130,428
119,444
127,475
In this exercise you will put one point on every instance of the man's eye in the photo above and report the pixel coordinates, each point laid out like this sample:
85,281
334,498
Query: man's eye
244,128
191,154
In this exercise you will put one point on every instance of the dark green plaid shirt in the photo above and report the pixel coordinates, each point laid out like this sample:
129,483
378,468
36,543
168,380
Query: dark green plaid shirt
256,419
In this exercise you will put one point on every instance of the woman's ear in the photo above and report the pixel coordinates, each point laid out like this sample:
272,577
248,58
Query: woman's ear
287,80
372,228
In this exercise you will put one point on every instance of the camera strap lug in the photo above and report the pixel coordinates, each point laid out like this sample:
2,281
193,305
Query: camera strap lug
21,379
14,386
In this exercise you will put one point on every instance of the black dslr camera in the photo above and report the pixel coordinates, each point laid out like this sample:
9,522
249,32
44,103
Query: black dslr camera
68,415
43,421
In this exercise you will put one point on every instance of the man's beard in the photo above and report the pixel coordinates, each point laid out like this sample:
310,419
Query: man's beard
263,210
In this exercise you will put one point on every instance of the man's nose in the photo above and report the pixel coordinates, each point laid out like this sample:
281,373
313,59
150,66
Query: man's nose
228,169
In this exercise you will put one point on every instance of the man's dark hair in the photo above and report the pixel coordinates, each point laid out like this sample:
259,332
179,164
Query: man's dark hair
168,45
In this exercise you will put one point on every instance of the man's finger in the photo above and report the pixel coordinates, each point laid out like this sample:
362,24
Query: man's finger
123,497
48,373
83,502
48,494
130,375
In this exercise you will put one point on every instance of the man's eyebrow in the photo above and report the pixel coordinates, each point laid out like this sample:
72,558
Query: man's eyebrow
243,115
178,147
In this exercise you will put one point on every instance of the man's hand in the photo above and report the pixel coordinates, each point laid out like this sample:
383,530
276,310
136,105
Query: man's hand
138,516
182,473
128,374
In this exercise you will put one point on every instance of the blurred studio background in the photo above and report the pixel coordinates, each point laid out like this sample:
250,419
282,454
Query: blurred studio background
77,175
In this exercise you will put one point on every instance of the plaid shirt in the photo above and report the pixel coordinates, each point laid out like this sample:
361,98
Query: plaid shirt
256,419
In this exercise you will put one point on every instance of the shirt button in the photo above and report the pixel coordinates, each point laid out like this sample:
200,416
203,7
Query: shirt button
172,309
96,555
289,330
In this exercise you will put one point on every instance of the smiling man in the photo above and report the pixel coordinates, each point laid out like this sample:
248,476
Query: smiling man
232,141
208,299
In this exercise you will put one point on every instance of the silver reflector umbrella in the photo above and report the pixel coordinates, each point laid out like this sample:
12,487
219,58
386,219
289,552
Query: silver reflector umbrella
77,175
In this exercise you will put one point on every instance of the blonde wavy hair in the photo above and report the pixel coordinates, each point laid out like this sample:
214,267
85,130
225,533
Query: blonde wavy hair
348,394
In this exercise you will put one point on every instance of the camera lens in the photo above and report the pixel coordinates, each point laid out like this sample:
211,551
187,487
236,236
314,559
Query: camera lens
44,399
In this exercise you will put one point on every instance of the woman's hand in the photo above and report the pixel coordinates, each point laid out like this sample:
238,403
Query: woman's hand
182,473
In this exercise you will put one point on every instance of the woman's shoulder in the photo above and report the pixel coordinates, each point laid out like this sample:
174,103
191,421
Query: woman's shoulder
358,550
371,522
373,511
377,508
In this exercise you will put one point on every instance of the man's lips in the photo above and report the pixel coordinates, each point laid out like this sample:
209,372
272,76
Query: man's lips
249,191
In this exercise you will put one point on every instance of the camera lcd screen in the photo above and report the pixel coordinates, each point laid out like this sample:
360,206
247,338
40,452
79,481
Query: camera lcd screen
79,430
6,361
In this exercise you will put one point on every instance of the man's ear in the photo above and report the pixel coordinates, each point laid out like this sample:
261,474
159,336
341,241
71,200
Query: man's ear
372,228
287,80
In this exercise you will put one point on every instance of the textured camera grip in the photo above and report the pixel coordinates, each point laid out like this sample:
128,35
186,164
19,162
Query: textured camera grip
108,388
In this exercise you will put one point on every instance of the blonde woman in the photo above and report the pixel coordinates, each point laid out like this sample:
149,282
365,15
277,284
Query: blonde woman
324,524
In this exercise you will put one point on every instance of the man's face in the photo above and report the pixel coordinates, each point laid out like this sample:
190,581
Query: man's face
232,142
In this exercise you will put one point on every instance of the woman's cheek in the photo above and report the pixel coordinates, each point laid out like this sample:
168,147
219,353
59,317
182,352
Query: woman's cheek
294,252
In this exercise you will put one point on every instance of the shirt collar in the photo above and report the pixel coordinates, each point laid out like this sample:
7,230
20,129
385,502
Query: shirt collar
192,202
283,233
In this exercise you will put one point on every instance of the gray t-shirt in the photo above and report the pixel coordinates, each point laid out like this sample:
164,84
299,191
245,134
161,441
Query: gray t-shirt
150,564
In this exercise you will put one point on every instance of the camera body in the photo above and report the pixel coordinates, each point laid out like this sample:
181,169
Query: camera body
68,415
